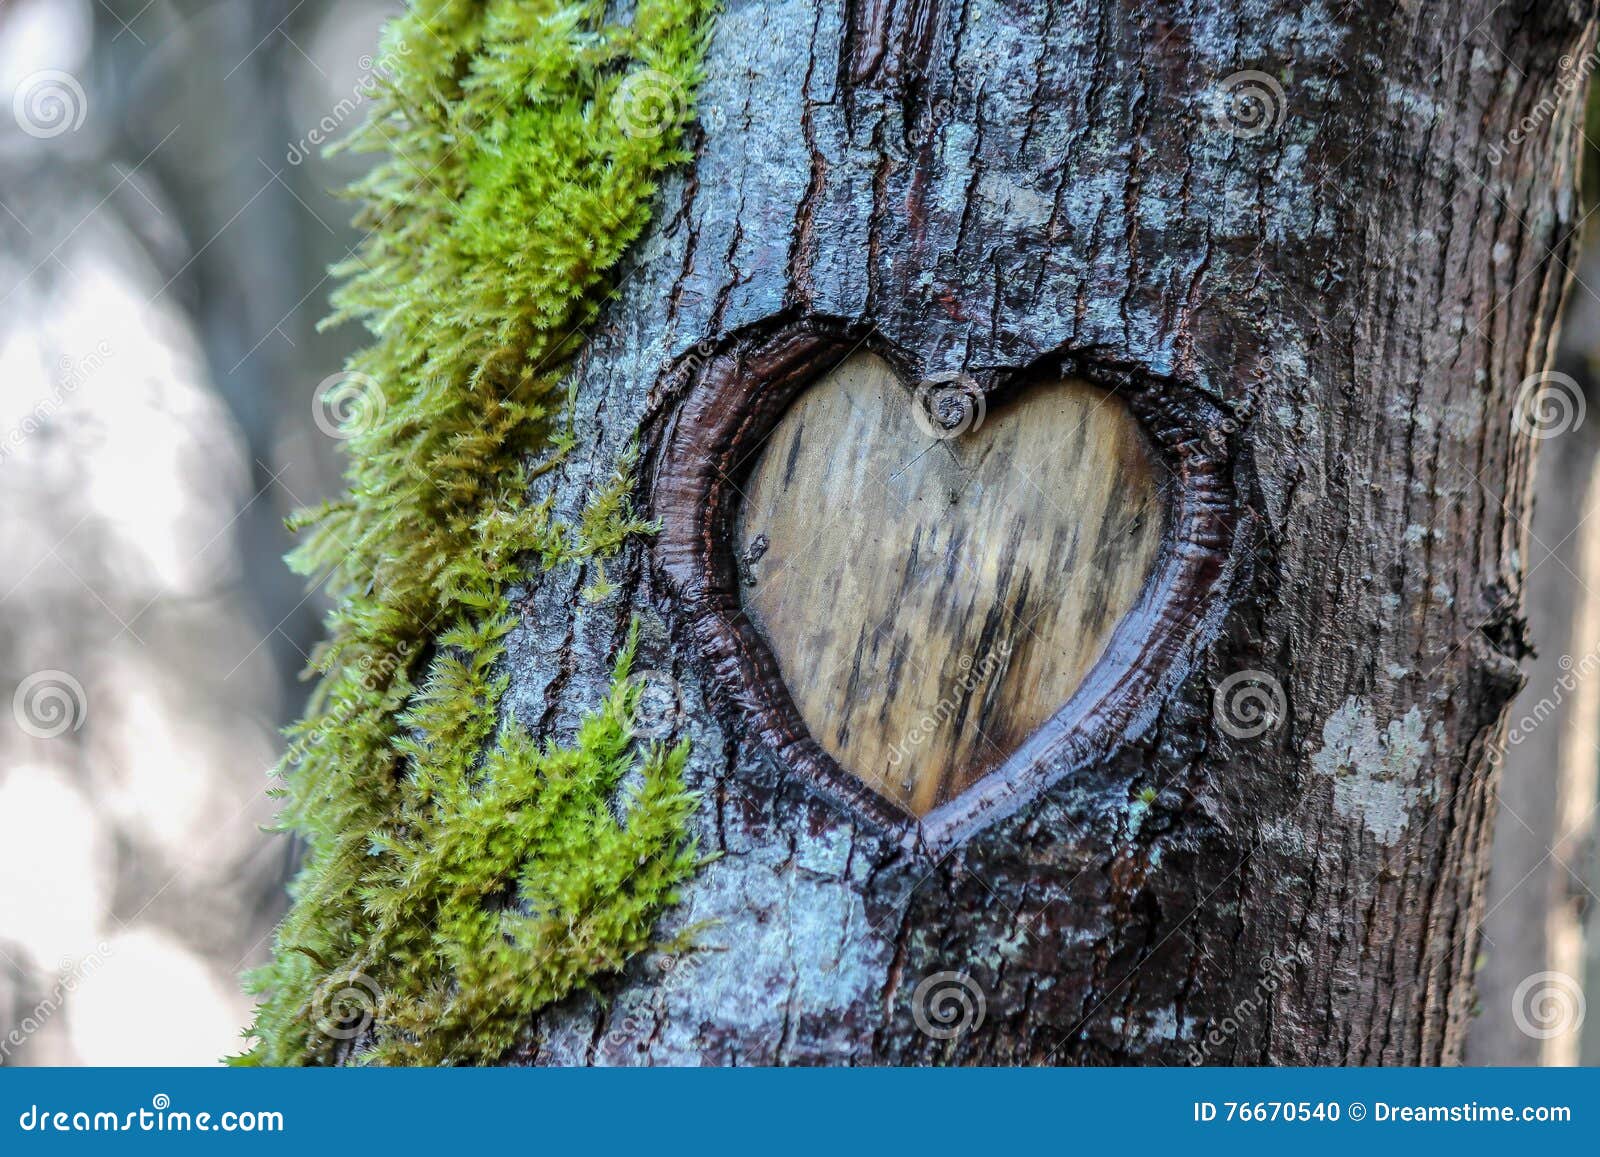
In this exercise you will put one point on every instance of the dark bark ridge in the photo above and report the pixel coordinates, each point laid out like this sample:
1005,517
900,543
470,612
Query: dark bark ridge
1353,284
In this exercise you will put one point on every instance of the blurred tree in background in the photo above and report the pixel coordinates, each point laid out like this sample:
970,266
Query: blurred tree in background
165,231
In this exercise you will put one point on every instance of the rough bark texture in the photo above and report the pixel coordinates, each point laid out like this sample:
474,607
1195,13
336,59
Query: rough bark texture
1360,287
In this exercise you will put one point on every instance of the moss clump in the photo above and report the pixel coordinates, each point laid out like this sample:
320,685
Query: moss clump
459,874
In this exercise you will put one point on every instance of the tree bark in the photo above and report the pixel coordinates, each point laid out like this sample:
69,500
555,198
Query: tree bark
1357,275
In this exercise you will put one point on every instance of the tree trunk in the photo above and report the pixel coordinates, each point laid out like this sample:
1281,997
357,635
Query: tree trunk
1320,254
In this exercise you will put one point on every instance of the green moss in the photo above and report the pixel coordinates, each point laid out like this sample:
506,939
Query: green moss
459,874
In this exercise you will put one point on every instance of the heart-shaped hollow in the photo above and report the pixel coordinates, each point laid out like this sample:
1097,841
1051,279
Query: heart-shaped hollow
1134,586
933,591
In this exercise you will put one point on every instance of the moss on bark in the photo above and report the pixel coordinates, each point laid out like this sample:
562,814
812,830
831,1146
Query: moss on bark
460,874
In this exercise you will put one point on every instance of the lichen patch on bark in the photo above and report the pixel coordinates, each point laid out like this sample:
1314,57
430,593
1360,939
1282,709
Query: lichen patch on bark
1376,773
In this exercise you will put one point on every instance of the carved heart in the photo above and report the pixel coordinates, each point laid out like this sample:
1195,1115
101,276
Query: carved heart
917,621
933,595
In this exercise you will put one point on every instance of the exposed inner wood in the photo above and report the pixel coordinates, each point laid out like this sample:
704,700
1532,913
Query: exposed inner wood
932,600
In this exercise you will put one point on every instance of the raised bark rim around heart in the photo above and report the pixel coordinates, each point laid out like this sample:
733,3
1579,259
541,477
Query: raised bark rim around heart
729,398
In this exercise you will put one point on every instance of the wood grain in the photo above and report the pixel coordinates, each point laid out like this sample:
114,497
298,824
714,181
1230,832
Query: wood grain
931,600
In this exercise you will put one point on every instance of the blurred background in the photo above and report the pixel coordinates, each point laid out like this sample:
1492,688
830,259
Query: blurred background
167,219
166,223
